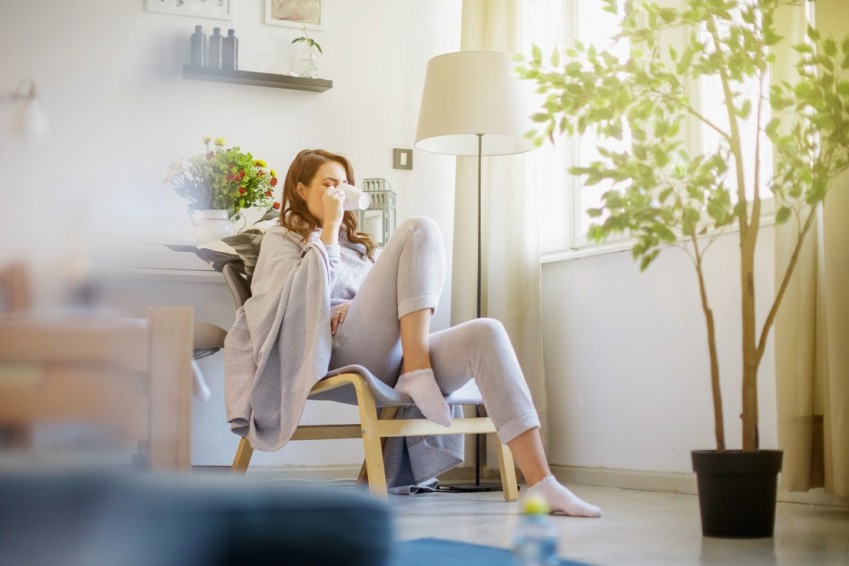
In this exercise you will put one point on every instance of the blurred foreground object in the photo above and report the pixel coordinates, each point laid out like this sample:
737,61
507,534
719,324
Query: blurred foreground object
29,118
130,377
164,519
15,290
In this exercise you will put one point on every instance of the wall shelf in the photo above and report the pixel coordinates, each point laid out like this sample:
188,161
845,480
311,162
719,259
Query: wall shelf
256,79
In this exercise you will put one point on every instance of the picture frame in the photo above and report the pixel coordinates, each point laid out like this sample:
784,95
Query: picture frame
214,9
294,13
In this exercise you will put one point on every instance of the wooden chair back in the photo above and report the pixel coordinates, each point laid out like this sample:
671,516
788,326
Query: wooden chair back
15,289
132,376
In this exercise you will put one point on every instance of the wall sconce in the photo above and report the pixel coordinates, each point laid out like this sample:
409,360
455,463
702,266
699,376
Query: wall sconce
379,218
29,118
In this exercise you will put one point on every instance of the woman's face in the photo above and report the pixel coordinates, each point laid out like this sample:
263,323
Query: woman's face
329,175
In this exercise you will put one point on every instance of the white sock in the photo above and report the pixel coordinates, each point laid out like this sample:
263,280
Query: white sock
420,386
561,500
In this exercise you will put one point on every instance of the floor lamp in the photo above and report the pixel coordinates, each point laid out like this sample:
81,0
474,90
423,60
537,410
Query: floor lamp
473,104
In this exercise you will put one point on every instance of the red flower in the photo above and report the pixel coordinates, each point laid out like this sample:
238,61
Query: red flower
276,206
242,190
209,155
268,193
274,181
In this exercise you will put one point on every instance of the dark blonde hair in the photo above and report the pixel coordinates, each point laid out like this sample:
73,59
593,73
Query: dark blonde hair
296,216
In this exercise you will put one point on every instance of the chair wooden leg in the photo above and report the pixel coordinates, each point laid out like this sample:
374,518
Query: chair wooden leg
386,413
243,457
508,472
371,440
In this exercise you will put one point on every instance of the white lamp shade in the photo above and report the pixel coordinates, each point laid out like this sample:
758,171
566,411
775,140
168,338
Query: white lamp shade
468,93
29,118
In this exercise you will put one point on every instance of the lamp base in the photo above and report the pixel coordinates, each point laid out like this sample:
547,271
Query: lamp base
471,487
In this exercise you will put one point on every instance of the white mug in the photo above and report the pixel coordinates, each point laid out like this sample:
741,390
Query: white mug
355,199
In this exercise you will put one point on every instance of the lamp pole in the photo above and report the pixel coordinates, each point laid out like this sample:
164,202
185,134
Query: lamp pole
480,202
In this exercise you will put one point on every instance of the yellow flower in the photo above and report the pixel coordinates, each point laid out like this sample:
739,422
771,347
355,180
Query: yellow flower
220,142
207,139
273,173
261,163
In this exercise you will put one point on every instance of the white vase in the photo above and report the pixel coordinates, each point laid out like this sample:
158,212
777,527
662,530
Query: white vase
211,225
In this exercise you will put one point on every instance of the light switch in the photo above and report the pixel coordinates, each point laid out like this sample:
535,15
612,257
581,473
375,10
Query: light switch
402,158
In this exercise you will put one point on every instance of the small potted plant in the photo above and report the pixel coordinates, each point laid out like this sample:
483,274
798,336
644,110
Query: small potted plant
663,196
309,63
221,184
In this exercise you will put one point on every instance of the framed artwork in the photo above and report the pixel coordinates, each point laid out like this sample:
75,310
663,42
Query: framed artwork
294,13
216,9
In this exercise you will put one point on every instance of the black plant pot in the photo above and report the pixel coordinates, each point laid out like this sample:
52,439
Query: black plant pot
737,492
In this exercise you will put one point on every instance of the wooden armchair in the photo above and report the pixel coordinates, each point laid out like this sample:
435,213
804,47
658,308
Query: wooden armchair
375,427
132,376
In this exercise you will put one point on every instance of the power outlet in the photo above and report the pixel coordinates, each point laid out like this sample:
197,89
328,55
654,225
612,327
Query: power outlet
402,158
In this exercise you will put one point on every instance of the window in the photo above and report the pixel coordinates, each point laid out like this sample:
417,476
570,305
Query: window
563,200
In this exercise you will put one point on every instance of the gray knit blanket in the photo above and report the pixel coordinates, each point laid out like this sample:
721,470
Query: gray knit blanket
280,345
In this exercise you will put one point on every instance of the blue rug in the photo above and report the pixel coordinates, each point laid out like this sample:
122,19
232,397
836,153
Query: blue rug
434,551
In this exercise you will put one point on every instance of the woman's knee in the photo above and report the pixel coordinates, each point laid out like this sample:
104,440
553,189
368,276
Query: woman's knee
422,228
488,330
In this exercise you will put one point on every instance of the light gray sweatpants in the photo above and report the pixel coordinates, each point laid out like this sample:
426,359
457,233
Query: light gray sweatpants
408,276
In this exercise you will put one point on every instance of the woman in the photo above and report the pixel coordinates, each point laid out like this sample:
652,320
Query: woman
314,270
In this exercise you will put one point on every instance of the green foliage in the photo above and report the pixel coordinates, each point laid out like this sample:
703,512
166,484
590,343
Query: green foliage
313,44
660,194
223,178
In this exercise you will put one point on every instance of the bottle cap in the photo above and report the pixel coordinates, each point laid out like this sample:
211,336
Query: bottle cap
198,28
536,505
231,32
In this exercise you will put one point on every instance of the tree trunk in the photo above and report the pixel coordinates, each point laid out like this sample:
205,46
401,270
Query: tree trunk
750,357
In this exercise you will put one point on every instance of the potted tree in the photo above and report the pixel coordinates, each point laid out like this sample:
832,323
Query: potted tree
664,195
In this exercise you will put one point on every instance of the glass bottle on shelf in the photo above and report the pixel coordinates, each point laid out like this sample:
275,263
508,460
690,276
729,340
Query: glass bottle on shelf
230,51
198,48
213,56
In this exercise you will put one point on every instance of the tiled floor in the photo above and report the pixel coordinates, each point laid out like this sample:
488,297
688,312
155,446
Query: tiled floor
638,527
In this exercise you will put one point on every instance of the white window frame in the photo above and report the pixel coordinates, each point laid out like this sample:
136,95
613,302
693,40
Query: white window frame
574,243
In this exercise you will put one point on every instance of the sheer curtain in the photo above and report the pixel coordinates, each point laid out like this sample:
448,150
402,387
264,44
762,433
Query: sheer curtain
812,328
510,255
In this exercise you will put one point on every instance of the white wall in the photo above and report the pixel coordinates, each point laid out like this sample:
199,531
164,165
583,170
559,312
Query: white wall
109,76
626,357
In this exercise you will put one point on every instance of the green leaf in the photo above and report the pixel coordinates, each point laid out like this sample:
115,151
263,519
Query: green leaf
536,54
813,34
648,259
783,215
830,47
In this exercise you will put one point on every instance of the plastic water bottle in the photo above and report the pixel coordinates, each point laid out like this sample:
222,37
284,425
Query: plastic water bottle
535,540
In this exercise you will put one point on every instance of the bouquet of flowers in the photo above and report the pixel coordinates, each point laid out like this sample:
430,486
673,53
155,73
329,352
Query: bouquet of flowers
223,178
